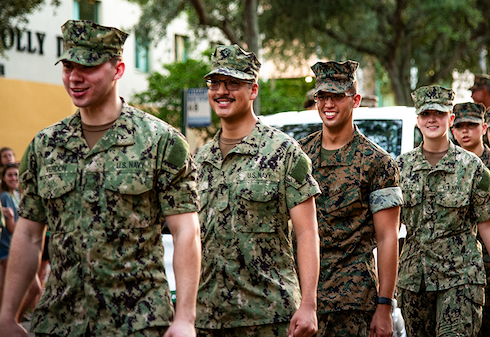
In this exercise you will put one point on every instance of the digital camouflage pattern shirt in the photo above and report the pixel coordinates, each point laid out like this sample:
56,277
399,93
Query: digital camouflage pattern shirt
485,158
105,210
248,274
357,180
442,206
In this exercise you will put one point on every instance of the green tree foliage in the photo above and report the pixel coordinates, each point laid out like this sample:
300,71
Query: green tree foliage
164,95
13,14
237,20
283,95
433,36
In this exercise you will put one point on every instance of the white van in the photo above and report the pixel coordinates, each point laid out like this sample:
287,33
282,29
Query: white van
393,128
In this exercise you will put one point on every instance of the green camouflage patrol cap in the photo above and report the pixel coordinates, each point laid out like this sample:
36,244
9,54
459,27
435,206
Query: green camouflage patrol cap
469,112
235,62
433,97
90,44
487,116
480,80
336,77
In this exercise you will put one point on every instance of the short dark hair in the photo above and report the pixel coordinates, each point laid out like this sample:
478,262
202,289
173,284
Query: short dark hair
115,59
308,104
353,88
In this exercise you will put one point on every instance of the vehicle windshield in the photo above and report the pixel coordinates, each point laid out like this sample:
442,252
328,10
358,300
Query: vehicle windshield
385,133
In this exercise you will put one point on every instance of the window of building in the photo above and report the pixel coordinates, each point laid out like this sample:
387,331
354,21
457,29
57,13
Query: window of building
142,56
86,10
181,48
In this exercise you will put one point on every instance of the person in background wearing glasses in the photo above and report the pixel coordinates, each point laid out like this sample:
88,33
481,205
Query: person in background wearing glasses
252,179
446,194
468,129
357,211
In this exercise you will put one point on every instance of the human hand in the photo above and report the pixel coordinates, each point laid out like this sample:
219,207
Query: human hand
382,323
8,212
181,329
304,323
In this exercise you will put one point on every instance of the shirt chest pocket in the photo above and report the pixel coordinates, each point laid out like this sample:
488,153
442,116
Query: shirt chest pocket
344,203
128,196
56,186
256,208
411,198
452,208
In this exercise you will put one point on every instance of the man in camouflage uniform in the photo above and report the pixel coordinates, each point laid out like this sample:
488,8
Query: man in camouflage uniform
357,211
468,129
480,91
446,192
252,180
103,181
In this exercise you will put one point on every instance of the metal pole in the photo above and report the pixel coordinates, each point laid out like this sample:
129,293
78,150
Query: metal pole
183,115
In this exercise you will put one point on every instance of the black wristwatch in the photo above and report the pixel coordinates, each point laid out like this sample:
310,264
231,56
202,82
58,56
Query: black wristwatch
385,300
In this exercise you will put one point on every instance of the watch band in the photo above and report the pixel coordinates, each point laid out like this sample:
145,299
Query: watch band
384,300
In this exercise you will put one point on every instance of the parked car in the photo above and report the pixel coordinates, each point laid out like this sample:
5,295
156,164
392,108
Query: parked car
393,128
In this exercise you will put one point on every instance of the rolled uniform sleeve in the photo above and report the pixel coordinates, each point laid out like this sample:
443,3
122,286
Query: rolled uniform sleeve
385,198
385,185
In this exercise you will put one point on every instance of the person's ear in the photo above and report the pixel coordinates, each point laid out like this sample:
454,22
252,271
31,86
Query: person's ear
255,91
120,68
357,100
451,119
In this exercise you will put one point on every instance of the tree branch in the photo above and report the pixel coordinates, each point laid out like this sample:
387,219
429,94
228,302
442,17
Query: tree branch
205,20
346,40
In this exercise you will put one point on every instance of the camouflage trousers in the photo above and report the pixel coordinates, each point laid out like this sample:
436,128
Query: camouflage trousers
352,323
266,330
148,332
453,312
485,324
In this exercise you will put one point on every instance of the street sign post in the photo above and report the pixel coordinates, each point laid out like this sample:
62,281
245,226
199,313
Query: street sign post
198,108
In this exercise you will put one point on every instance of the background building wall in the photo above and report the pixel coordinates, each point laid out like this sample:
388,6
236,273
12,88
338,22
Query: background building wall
32,95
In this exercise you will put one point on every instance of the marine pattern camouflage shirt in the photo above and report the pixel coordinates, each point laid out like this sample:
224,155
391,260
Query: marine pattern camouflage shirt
442,206
485,158
105,209
248,272
357,180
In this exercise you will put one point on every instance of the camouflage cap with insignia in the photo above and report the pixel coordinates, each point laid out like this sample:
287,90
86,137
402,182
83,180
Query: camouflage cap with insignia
433,97
235,62
469,112
480,81
336,77
90,44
